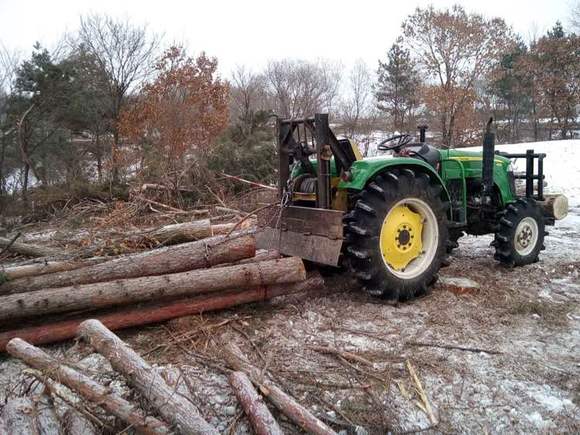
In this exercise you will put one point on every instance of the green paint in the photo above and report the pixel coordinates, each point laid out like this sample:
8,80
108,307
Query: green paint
471,163
454,165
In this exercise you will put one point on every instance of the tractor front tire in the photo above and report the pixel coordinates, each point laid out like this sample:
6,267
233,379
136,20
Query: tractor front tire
520,235
396,234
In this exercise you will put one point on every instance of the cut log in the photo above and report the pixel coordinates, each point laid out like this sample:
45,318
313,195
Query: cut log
286,404
159,204
19,416
127,291
173,259
172,407
262,255
27,248
12,273
228,210
555,205
151,186
251,183
3,430
259,415
186,232
76,424
86,387
46,418
156,312
64,394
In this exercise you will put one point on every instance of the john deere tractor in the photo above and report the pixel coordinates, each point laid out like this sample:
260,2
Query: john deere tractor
393,219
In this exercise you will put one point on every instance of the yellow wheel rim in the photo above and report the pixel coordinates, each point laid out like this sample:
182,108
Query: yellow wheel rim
401,237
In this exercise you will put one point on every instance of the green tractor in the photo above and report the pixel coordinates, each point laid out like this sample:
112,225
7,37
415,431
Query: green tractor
394,219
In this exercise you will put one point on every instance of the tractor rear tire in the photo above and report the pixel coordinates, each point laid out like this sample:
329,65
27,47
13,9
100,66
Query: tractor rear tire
380,231
520,236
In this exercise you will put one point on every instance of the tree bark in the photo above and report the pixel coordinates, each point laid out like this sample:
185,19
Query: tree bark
186,232
127,291
12,273
286,404
154,313
555,205
261,255
3,430
77,424
86,387
46,418
258,413
27,249
19,417
188,256
172,407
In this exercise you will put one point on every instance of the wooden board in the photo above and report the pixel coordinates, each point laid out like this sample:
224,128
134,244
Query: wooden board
310,233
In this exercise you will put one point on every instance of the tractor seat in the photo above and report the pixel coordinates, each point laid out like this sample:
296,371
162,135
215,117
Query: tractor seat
422,151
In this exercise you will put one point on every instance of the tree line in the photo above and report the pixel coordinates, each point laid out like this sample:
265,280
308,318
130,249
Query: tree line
111,104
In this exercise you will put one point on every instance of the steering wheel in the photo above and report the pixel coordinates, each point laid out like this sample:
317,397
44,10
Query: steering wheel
399,141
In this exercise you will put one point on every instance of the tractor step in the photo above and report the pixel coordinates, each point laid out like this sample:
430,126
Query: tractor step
314,234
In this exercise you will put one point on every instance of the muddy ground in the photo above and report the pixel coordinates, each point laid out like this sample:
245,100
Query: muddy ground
499,354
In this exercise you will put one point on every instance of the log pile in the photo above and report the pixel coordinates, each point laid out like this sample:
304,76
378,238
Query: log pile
49,300
195,271
173,413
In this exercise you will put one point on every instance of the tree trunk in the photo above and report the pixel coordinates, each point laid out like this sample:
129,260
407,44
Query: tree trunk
114,155
46,418
19,417
2,159
127,291
286,404
16,272
86,387
154,313
186,232
188,256
27,249
256,410
555,205
77,424
174,408
26,170
99,156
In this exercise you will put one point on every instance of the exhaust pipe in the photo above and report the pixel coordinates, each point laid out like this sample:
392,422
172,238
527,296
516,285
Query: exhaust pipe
487,164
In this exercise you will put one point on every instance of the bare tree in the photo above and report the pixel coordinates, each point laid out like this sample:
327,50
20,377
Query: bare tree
455,50
9,61
358,101
248,95
301,88
575,16
125,53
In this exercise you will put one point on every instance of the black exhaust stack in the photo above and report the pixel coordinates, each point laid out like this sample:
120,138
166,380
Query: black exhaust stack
422,129
487,165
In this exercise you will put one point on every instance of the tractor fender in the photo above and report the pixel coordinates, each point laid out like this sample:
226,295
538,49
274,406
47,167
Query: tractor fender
363,171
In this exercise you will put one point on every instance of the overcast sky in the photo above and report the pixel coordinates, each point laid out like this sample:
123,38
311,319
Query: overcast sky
252,31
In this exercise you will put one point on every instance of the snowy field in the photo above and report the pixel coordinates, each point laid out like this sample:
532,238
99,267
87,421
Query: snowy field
561,165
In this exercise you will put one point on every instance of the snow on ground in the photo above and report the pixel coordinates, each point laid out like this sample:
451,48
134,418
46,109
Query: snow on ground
561,165
500,355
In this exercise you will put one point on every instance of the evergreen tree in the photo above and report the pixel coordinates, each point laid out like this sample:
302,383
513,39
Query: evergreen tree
556,71
397,89
510,87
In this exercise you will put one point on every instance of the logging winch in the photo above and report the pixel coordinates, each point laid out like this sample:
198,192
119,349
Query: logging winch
394,219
